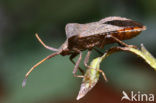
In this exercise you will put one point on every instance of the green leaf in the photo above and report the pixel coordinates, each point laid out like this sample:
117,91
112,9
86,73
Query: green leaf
92,74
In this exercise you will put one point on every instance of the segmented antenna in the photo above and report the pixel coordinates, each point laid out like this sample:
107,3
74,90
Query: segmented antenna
47,47
48,57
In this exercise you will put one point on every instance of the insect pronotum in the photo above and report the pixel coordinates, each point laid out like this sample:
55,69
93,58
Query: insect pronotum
82,37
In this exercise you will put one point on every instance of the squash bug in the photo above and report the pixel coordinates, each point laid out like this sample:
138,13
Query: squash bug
87,36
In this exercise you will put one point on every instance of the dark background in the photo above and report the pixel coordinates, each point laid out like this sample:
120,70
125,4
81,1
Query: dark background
53,82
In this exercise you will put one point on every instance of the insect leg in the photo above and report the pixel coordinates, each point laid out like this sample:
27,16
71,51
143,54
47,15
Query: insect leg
119,41
87,58
120,45
103,74
101,53
47,47
77,65
71,59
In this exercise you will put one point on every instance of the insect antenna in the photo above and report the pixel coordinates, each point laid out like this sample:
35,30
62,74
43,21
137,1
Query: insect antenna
37,64
47,47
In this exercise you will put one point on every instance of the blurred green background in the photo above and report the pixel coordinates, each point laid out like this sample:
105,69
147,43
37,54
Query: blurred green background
52,81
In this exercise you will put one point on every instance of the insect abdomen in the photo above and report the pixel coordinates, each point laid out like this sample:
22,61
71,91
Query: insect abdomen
127,33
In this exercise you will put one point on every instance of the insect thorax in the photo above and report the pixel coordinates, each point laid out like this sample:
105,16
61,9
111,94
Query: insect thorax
83,43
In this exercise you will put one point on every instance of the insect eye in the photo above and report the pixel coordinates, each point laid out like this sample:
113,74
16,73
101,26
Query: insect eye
124,23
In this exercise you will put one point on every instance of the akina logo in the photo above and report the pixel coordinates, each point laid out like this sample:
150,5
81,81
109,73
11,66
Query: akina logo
138,96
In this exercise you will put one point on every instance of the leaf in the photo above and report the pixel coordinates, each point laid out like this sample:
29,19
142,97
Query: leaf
90,78
145,54
92,74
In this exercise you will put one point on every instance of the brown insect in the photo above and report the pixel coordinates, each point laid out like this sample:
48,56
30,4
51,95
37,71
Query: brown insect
87,36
